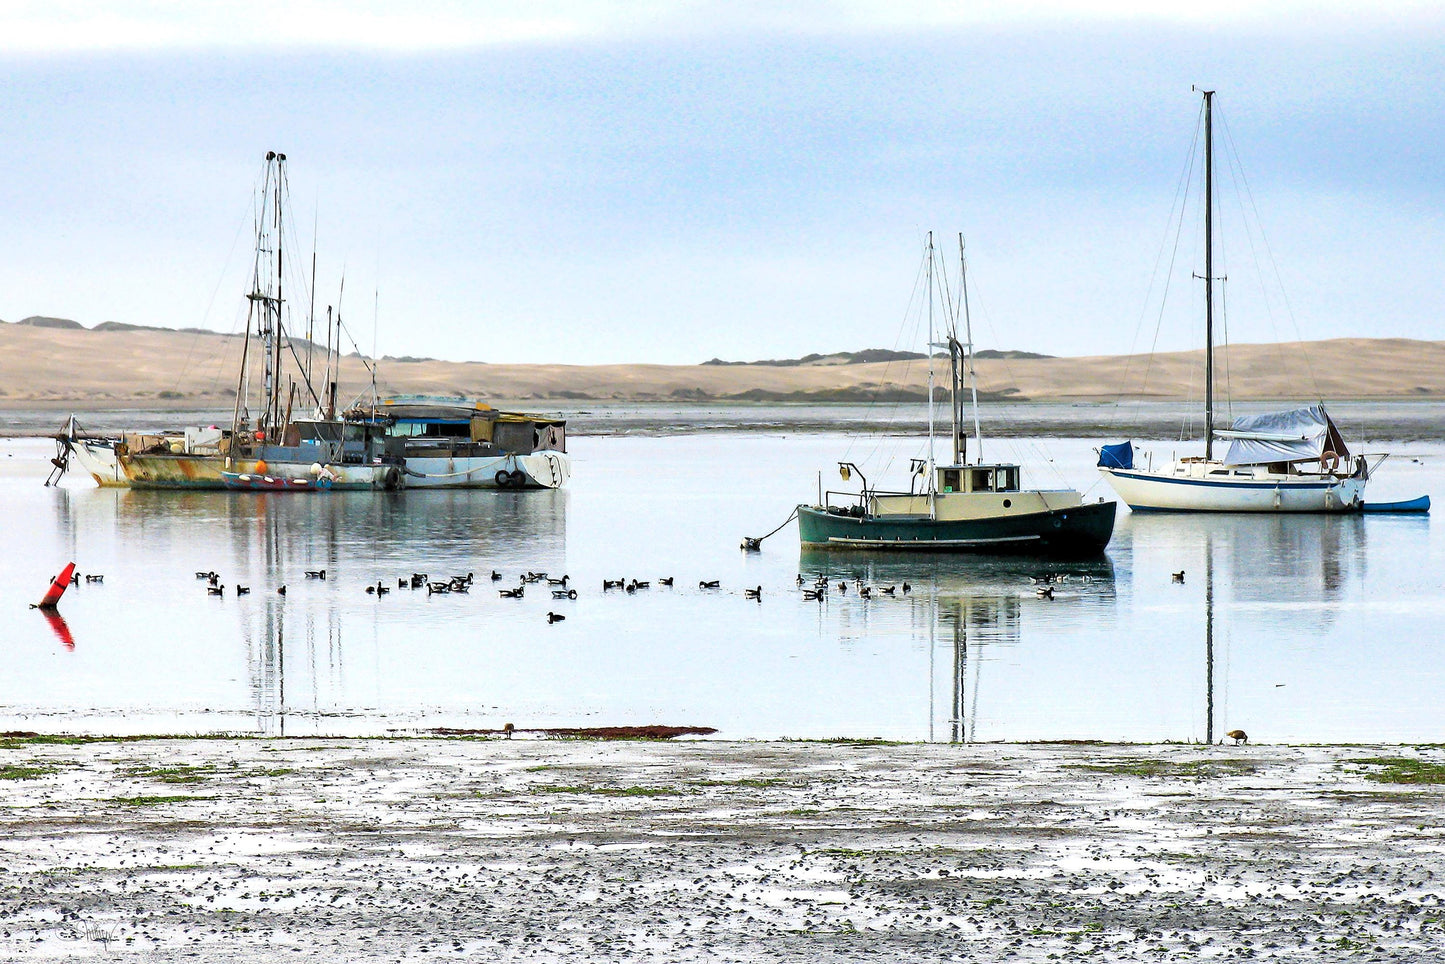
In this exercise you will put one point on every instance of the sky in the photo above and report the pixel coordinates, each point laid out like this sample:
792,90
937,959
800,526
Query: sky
591,182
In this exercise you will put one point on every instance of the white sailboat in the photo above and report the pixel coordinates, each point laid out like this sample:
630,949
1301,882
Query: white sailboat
1292,461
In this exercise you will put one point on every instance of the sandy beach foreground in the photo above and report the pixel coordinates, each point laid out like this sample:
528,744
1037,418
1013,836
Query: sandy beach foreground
467,849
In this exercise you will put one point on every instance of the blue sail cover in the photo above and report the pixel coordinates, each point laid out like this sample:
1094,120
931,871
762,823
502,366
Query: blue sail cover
1299,435
1120,456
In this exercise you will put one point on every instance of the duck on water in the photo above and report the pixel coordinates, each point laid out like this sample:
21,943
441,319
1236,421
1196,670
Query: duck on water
961,506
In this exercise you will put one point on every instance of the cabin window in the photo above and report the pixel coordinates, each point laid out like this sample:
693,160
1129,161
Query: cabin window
982,480
950,480
1010,481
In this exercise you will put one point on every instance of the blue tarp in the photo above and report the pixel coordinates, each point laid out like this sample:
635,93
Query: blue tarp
1119,456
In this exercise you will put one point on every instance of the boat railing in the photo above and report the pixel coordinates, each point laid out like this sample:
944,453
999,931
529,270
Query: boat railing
856,502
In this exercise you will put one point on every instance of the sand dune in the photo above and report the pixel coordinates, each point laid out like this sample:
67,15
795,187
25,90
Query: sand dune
161,367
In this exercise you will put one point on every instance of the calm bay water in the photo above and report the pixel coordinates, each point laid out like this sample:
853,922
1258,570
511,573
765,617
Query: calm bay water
1317,628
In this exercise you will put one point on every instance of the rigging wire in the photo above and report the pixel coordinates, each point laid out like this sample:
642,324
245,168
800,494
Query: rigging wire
896,402
1176,221
1243,181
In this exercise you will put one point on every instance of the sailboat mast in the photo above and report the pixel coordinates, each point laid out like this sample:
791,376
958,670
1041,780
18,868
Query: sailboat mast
1208,275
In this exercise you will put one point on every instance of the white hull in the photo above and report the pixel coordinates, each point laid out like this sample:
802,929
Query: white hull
548,470
99,460
1172,491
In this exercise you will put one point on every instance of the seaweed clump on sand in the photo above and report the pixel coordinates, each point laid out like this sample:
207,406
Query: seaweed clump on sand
649,732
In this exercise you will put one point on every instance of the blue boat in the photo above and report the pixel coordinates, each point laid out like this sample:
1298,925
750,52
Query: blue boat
1418,506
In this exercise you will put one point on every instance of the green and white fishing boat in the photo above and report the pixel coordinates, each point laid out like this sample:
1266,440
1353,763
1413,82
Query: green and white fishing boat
962,506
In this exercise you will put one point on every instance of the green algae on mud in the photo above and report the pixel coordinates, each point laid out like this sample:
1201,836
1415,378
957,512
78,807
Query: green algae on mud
1398,769
1181,769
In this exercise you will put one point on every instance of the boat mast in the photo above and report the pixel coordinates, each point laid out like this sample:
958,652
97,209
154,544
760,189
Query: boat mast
968,335
276,395
1208,275
931,486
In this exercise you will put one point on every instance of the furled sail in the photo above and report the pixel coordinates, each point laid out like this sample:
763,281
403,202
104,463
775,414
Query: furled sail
1299,435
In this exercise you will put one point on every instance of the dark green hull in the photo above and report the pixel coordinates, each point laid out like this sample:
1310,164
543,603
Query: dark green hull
1082,530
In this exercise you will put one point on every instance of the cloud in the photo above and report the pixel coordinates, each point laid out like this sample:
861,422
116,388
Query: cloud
52,26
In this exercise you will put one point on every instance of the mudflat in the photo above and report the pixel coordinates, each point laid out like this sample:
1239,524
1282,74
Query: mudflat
493,849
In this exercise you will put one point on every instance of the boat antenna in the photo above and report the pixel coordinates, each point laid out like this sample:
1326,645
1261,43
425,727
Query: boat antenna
968,345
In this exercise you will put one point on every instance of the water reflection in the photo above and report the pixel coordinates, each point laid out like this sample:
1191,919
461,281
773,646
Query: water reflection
1289,628
981,622
60,628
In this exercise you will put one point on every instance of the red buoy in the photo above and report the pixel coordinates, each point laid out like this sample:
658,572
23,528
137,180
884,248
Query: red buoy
57,588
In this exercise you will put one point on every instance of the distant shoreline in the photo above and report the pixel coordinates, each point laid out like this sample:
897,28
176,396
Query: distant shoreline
1376,420
60,368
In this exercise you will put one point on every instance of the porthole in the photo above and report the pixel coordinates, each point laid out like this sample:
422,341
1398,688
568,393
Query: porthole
1008,503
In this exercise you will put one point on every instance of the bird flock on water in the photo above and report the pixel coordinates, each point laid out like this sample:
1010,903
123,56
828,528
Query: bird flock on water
563,588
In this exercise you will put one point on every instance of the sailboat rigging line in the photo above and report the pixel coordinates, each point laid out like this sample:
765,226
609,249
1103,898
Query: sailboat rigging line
200,333
1224,327
1176,222
907,364
968,334
311,306
1242,181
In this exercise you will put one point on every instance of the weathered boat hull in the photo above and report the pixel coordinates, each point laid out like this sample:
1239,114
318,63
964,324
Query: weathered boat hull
1151,492
210,471
173,471
99,460
1080,530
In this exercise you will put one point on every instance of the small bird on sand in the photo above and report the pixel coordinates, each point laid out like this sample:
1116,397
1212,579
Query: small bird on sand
496,576
1179,576
1238,736
709,584
508,729
665,582
216,590
315,573
1045,592
754,593
281,591
555,617
242,590
511,593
